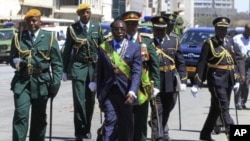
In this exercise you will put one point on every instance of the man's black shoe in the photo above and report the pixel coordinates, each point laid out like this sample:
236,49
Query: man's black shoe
87,136
207,139
244,106
238,107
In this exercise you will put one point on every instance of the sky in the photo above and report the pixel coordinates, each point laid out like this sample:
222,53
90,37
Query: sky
241,5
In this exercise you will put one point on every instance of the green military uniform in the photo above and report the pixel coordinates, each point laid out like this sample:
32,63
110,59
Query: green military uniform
83,45
152,65
179,28
32,81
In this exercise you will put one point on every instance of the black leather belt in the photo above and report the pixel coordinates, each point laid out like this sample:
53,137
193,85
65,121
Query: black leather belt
85,59
35,71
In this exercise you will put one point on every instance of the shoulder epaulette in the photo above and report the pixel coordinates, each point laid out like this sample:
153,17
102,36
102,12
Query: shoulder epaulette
148,35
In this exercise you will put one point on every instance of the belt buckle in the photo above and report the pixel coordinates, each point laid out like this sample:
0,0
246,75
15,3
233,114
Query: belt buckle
165,68
30,70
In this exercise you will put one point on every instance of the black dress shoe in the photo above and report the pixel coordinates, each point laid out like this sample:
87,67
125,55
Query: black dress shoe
244,106
238,107
87,136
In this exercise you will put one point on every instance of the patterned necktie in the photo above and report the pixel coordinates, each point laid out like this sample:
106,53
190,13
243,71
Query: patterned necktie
131,38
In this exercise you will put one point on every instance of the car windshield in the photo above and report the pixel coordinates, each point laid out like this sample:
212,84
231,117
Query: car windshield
196,37
6,35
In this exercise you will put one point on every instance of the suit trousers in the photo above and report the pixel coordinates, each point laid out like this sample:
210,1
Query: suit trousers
119,117
220,101
168,104
165,104
84,101
140,120
38,122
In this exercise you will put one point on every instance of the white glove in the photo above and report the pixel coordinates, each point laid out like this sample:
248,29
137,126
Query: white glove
16,60
183,87
194,90
236,87
155,92
92,86
64,77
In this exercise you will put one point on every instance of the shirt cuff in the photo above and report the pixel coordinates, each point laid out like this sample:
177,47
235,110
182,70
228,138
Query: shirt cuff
133,93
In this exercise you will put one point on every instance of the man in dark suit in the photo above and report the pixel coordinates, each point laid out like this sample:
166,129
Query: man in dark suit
173,74
150,69
119,69
33,53
83,38
217,65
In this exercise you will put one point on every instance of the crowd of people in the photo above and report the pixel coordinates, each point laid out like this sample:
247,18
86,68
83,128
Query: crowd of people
128,73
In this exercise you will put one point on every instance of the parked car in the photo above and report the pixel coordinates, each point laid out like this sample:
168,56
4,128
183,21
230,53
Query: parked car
191,43
7,31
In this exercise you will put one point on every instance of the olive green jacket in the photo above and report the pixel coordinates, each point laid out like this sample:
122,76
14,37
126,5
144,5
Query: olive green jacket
43,54
81,45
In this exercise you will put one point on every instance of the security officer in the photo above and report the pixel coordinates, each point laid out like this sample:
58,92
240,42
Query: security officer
217,65
83,38
150,67
173,74
33,53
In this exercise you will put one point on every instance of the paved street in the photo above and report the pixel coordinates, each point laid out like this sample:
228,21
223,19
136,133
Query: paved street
193,112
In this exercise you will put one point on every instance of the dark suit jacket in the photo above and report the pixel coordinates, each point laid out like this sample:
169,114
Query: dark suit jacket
214,76
79,70
106,76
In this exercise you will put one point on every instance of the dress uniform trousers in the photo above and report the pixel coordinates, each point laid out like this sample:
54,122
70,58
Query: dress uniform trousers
38,123
220,100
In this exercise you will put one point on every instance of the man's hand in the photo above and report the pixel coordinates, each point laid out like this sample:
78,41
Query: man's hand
155,92
194,90
92,86
64,77
183,87
130,98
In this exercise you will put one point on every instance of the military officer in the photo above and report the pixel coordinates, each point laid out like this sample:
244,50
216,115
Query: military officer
173,74
217,65
150,68
174,39
33,53
83,38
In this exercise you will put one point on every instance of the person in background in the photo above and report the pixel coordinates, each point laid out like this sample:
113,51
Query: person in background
218,63
172,74
179,26
243,42
119,68
34,52
83,39
150,69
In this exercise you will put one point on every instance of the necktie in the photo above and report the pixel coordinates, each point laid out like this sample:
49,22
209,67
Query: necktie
160,41
32,35
84,29
131,38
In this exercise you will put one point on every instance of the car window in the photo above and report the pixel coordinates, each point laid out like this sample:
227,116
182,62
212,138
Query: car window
196,37
105,28
6,35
